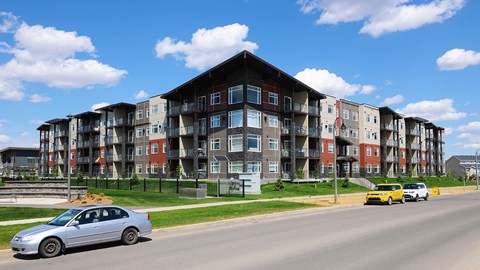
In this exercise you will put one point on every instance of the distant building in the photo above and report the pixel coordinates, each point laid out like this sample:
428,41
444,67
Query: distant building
17,160
461,166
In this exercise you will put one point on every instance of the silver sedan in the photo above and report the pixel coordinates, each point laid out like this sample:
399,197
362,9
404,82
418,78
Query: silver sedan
82,226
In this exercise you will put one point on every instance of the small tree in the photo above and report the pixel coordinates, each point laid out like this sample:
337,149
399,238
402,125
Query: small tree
346,182
135,180
399,178
179,171
279,184
55,172
410,171
80,177
316,174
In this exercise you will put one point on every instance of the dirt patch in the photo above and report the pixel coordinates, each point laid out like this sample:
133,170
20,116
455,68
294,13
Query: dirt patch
92,199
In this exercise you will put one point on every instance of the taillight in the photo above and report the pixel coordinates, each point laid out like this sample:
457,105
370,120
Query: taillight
148,216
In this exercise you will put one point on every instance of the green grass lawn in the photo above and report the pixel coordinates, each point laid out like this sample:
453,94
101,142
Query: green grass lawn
306,189
428,180
17,213
181,217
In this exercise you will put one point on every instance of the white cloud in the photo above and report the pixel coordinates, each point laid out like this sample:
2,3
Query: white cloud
3,122
382,16
207,47
329,83
141,95
448,130
47,55
4,139
470,126
470,141
441,110
37,122
393,100
457,59
25,134
99,105
8,22
36,98
11,89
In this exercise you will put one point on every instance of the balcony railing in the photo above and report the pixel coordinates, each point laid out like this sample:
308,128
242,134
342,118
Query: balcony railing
173,153
301,130
188,130
392,158
313,110
301,152
295,107
312,153
286,153
314,132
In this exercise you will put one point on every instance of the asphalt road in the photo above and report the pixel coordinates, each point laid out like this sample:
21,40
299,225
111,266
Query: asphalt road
443,233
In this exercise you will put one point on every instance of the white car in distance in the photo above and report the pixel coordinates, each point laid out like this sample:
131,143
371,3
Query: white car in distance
414,192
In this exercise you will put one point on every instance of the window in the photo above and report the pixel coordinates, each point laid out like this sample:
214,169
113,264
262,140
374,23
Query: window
215,167
215,98
154,128
345,132
235,167
146,150
273,121
272,167
72,155
235,94
355,151
355,116
273,98
164,147
354,133
254,94
139,114
403,154
139,132
330,128
139,168
254,143
369,151
368,135
235,143
155,148
138,151
330,148
345,114
369,168
155,109
273,144
376,169
215,121
215,144
254,119
147,131
148,112
375,152
102,153
154,168
330,109
375,119
235,119
367,118
254,166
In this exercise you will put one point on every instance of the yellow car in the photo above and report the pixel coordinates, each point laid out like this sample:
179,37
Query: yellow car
386,193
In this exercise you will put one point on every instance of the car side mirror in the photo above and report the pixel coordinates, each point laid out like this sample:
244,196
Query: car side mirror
75,223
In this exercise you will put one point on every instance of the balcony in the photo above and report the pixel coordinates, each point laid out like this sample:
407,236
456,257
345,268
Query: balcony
314,132
301,152
285,130
173,132
173,153
60,134
301,130
389,127
286,153
412,132
295,107
312,153
186,153
313,110
186,131
390,143
187,108
392,158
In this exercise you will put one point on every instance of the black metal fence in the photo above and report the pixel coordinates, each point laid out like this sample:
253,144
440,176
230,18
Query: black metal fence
214,188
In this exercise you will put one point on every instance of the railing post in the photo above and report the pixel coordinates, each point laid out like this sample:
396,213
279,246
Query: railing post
218,188
243,188
160,185
196,182
130,184
144,185
118,184
178,186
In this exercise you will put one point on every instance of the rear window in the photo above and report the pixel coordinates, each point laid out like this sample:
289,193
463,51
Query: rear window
410,186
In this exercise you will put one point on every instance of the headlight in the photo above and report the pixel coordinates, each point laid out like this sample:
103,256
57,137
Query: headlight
28,237
384,194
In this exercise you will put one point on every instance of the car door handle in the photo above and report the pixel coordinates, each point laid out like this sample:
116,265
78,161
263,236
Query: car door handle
95,227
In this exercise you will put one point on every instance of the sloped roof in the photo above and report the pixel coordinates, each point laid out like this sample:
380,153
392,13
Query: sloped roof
251,61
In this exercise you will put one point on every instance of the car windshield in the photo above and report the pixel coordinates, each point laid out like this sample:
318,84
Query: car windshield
64,218
410,186
381,188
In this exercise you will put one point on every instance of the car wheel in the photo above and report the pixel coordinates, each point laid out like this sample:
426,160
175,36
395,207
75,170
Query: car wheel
426,197
416,198
403,200
390,201
130,236
50,247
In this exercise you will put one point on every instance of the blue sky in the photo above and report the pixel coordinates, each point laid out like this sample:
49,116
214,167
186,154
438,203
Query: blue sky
421,58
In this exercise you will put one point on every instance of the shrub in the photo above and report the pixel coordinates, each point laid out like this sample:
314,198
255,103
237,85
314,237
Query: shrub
279,184
134,181
345,182
300,174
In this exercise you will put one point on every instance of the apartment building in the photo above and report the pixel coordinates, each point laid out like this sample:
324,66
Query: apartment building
243,115
15,161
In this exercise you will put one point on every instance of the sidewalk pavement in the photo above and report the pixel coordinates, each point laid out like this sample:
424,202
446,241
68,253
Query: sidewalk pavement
51,203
